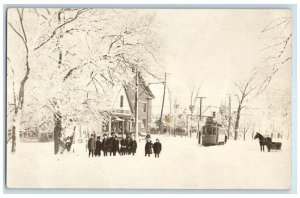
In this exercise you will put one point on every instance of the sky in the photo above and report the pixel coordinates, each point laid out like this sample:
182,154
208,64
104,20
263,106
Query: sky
212,48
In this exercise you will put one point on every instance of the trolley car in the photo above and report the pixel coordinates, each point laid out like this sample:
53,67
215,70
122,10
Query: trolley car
213,133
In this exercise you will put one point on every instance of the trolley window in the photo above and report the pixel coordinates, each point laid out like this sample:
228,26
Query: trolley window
204,130
209,130
214,131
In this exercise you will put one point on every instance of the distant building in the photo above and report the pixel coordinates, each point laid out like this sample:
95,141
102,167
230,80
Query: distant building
122,111
145,97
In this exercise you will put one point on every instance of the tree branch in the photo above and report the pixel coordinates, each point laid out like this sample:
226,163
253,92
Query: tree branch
16,32
58,27
69,73
21,23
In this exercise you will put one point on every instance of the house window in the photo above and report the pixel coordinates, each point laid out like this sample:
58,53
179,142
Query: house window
121,101
144,107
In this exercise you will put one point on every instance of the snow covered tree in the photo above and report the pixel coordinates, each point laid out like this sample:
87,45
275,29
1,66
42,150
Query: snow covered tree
77,55
224,115
23,25
278,111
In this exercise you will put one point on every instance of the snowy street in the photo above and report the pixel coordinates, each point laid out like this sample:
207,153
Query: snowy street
88,77
182,164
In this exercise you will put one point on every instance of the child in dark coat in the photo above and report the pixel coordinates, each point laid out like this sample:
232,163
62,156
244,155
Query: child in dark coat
91,145
115,145
148,148
68,144
123,146
128,145
110,142
105,145
157,148
133,146
98,147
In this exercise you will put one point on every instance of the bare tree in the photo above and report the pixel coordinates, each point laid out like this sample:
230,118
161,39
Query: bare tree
278,38
194,93
245,130
244,90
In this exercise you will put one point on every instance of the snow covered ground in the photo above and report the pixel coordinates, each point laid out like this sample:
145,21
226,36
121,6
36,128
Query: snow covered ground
182,164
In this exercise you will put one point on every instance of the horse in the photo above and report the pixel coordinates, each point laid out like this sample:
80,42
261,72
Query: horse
262,141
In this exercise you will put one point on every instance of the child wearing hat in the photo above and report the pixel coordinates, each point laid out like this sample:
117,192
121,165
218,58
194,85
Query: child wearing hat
157,148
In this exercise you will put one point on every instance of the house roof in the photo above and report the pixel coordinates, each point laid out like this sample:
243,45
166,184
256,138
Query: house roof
113,107
146,87
130,92
129,101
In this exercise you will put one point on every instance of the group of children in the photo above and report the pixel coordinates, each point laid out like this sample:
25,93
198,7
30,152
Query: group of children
156,148
126,146
111,145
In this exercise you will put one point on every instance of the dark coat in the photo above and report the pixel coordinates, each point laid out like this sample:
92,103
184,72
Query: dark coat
105,145
148,148
110,143
133,146
98,147
157,147
123,145
115,145
128,144
91,144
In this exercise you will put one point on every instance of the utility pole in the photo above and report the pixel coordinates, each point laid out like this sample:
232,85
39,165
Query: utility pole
162,106
147,115
137,94
136,103
200,118
229,121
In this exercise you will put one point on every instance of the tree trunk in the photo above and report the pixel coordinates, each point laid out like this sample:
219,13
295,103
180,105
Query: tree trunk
228,130
19,105
229,120
20,101
191,126
57,131
199,139
15,131
236,127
